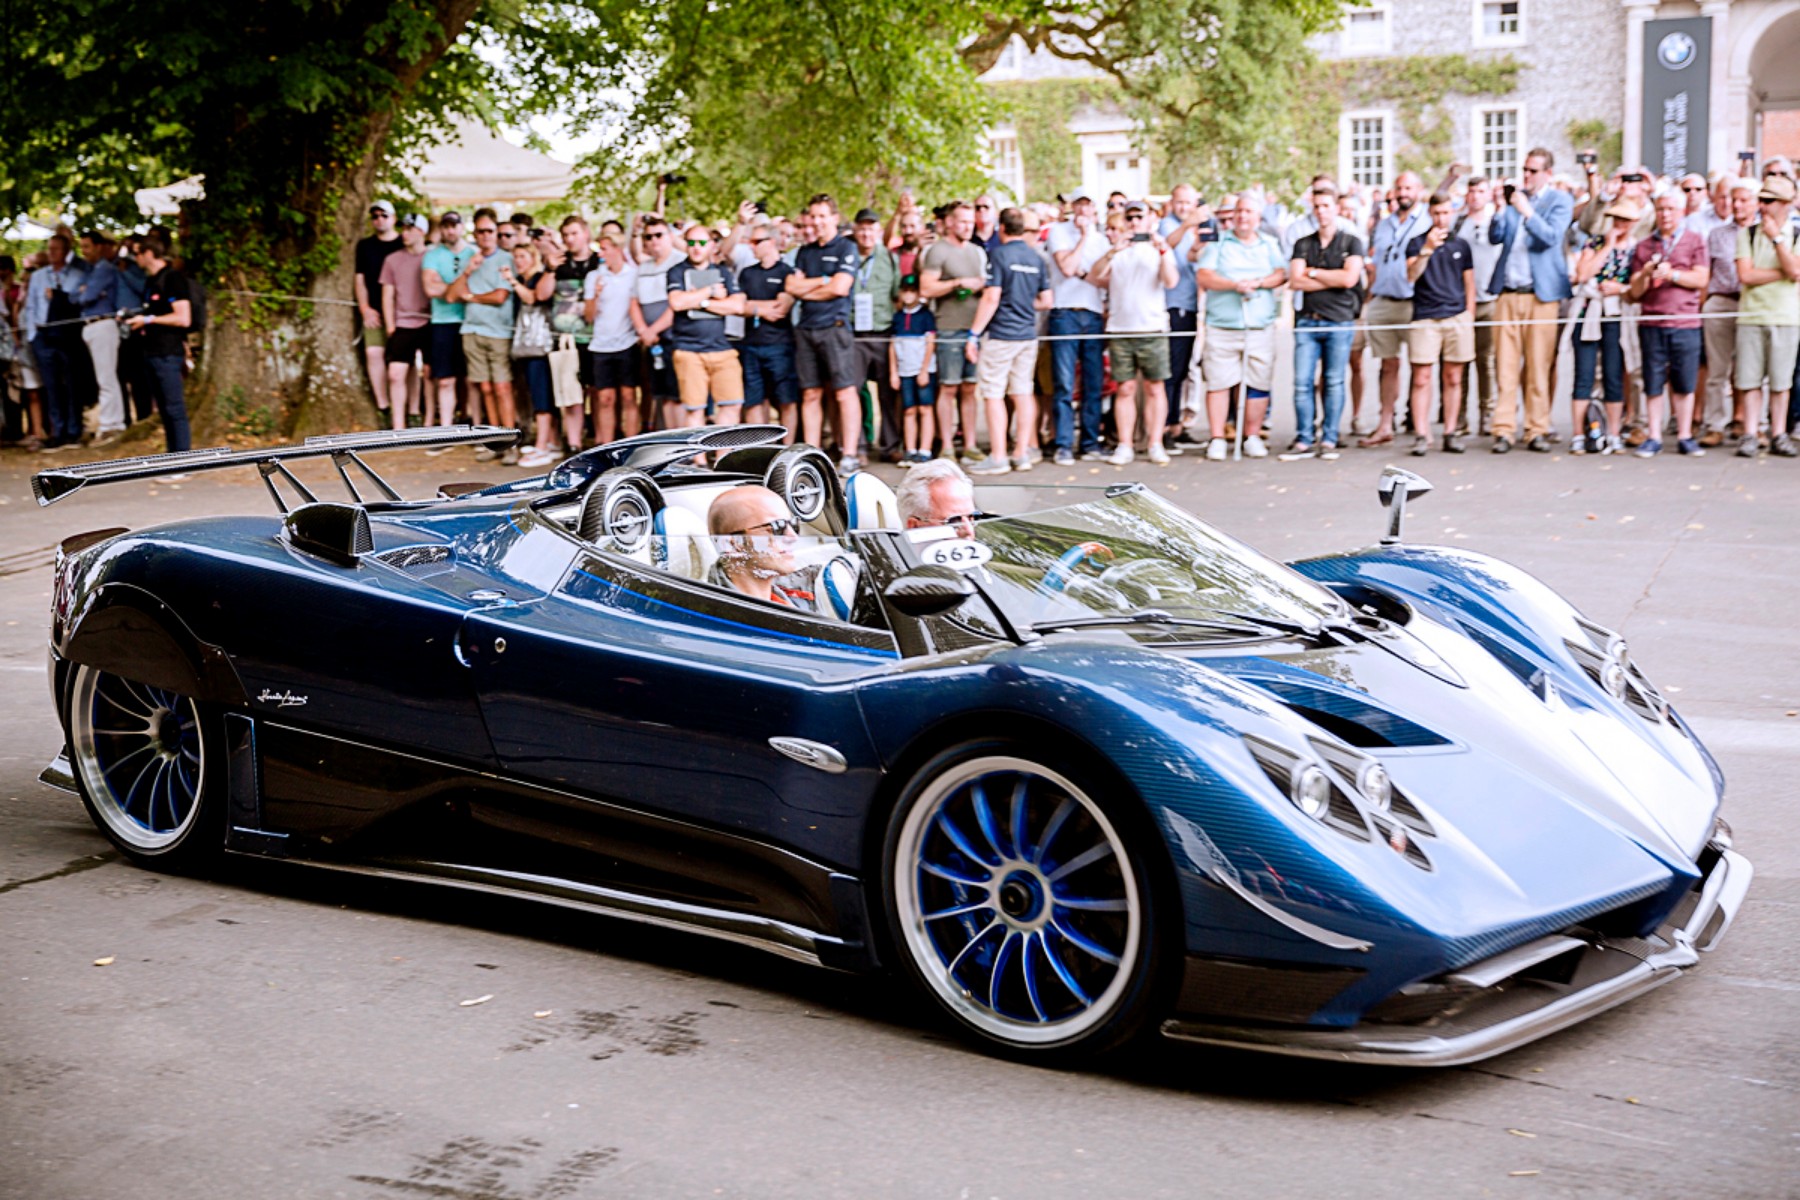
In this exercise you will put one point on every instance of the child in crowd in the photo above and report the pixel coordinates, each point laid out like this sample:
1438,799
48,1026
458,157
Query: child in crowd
912,358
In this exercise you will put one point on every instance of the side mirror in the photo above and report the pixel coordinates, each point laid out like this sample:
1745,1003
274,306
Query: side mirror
1393,489
928,591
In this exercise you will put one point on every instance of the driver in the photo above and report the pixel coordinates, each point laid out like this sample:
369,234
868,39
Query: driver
757,538
938,493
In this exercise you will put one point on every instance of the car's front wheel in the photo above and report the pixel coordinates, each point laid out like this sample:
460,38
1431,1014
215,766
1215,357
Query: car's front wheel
1019,904
147,762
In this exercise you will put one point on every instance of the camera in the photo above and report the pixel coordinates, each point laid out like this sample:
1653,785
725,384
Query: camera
1632,177
1746,156
538,231
671,180
761,206
1587,158
1140,237
1207,230
1506,191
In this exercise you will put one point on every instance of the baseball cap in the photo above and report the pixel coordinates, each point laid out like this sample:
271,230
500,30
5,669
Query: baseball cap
382,206
1136,206
450,218
1777,187
868,216
1079,193
417,221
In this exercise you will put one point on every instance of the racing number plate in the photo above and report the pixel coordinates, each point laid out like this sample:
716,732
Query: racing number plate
959,554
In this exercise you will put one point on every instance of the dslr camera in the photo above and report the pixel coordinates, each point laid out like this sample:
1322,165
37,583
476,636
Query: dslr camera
671,180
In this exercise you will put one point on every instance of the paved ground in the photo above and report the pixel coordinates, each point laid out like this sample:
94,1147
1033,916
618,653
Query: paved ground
272,1033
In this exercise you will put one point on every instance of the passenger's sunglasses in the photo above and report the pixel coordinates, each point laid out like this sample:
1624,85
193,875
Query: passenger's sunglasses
965,519
780,527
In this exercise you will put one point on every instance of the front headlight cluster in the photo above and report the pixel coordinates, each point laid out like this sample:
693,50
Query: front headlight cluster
1344,789
1607,660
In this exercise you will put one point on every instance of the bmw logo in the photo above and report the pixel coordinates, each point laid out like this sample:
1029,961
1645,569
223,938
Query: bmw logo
1677,50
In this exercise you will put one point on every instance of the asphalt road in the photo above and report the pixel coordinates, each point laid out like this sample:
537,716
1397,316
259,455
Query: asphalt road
273,1033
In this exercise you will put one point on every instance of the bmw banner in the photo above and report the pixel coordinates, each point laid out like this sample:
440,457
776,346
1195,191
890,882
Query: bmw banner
1677,80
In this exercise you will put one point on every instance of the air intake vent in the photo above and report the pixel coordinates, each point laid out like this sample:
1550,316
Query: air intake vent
416,559
339,532
1354,721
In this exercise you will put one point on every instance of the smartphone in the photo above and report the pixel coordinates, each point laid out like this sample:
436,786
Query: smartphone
1506,191
1746,156
1207,230
1633,177
1587,158
1140,237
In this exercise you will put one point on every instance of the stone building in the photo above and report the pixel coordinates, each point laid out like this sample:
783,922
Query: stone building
1679,84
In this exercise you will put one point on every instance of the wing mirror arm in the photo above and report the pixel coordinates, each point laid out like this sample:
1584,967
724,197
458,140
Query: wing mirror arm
1393,489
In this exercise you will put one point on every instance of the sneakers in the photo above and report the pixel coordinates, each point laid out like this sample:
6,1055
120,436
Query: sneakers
849,465
1296,452
534,457
510,457
1612,445
1254,447
970,457
1748,447
1453,444
1157,455
486,454
1783,445
1121,457
1328,452
1688,445
1065,458
1650,449
1503,445
434,451
1421,446
1542,445
1094,455
992,464
1217,450
1712,437
105,438
1024,462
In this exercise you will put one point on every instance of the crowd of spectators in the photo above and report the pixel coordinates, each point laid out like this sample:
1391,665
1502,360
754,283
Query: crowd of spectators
1080,330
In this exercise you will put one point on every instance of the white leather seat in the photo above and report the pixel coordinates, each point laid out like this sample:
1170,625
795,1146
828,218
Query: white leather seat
682,545
870,504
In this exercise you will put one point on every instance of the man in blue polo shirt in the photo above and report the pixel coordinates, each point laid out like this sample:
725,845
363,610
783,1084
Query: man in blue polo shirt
1018,285
824,347
1390,306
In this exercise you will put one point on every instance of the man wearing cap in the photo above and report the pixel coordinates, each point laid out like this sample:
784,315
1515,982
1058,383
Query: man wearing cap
441,265
371,252
1768,327
1077,315
1136,271
404,313
872,300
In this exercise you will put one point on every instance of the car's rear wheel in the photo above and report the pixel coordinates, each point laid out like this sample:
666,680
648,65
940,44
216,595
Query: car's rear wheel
1019,905
147,762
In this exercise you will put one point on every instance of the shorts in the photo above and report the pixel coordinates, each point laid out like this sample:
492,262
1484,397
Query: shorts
1144,354
825,358
1671,358
1383,310
1235,356
446,353
614,369
704,373
404,344
584,367
914,394
533,374
24,369
1451,339
489,359
769,373
953,365
1766,352
1005,368
373,337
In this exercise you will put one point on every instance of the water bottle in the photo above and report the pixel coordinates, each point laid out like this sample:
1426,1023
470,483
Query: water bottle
656,357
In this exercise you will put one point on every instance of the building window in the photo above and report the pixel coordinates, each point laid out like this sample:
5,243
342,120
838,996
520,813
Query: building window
1499,22
1008,168
1367,31
1364,145
1499,138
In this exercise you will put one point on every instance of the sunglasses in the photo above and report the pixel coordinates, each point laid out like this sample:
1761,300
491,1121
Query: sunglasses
485,229
379,212
699,242
653,236
964,519
780,527
1693,189
759,241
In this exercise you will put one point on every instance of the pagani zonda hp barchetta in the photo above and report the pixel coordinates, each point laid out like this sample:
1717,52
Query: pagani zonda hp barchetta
1080,767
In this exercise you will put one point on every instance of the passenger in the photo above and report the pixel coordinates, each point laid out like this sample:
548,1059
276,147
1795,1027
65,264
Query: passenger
757,538
938,493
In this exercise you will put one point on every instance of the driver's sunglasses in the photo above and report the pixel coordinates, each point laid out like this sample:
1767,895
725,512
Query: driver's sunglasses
968,519
780,526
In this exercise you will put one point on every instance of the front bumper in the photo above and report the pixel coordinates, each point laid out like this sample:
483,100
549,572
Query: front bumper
1515,997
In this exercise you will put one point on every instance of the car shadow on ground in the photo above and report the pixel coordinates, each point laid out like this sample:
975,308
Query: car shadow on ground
1153,1062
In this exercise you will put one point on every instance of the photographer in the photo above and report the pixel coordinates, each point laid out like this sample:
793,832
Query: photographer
1531,279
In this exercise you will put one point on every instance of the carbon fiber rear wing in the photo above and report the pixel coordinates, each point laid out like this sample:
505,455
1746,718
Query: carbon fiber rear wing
342,448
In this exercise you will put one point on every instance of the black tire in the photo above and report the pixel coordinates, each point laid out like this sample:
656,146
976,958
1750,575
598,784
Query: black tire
1037,927
151,767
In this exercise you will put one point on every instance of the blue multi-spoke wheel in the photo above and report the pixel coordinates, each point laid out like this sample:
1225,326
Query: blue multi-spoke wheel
140,753
1019,904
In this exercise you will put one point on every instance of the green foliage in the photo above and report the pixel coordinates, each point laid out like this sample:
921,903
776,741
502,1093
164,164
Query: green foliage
1609,143
1040,112
1414,85
238,415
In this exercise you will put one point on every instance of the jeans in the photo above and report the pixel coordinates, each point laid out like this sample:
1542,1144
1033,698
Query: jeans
1063,359
1612,366
165,369
1181,349
56,369
1315,340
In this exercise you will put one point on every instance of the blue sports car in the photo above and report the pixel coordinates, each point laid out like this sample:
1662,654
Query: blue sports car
1081,768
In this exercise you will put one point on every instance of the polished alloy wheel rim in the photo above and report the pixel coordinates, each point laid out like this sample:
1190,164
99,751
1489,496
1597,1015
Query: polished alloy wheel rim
1017,901
140,755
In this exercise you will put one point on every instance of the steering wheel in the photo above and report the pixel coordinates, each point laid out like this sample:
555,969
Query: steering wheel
1057,577
1148,580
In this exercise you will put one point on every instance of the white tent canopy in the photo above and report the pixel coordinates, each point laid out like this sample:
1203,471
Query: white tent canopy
479,167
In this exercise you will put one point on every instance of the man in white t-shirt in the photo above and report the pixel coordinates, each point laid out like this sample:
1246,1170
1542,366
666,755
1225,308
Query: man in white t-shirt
1077,314
1136,271
606,299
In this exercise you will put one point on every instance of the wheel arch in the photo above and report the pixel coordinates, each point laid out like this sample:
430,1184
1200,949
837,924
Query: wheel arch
128,631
